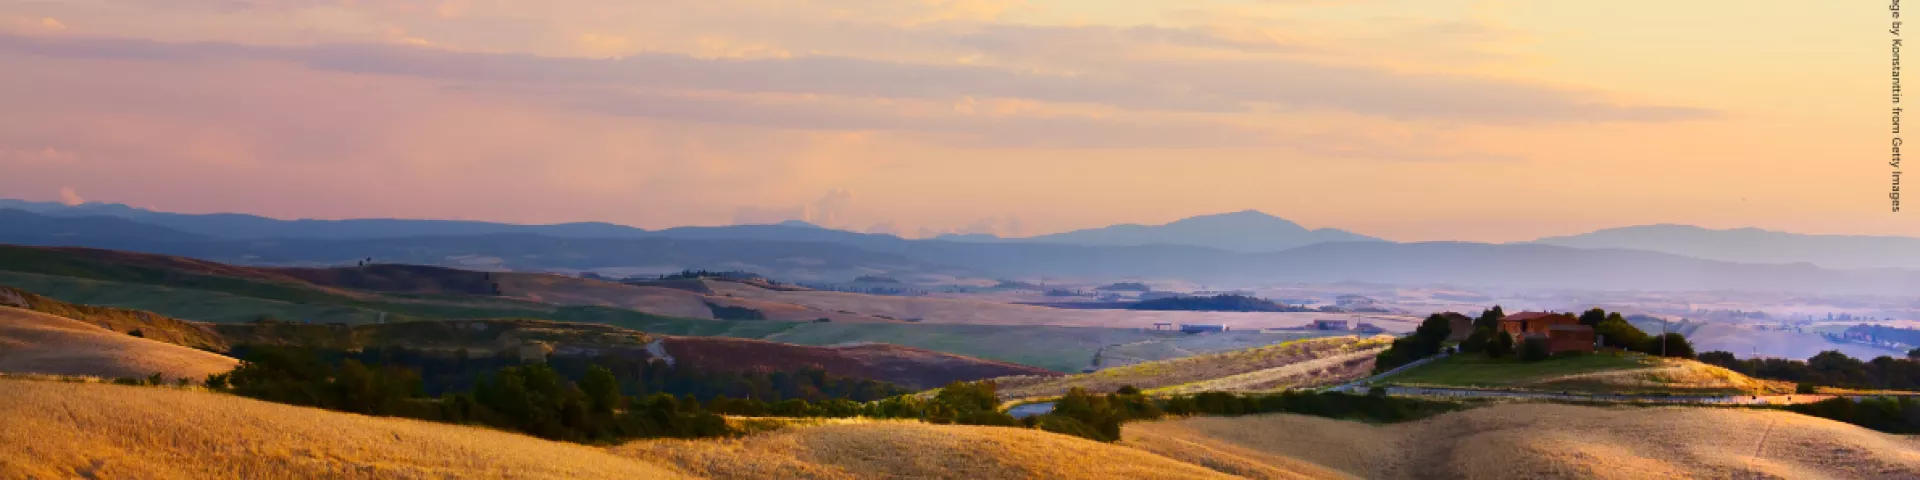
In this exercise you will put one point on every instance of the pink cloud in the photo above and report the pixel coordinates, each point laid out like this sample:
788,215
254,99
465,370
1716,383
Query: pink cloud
69,197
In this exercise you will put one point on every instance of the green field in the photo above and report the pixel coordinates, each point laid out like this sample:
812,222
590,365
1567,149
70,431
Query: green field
1478,371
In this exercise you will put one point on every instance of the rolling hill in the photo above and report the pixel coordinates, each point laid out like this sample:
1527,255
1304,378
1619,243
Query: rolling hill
912,367
890,449
150,325
1595,373
108,431
68,430
1299,363
909,367
1539,441
38,343
905,366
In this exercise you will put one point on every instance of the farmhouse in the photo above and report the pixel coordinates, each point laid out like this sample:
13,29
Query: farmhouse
1563,332
1329,324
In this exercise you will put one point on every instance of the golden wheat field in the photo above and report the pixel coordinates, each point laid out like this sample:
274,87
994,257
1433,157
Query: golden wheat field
92,430
901,449
1542,441
68,430
71,430
34,342
1672,375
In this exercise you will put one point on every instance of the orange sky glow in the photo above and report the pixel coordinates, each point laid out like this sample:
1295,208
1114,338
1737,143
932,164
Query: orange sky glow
1404,119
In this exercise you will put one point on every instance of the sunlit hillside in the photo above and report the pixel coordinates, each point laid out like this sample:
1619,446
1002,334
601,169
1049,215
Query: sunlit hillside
69,430
1542,441
1597,373
1298,363
108,431
34,342
898,449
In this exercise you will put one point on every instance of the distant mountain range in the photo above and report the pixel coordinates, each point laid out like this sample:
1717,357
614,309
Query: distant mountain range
1225,247
813,253
1247,231
243,226
1752,245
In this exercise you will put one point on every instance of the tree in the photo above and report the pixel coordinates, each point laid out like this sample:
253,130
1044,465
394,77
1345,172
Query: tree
1913,354
1535,349
1477,342
1719,358
1434,330
602,390
1501,346
1616,332
1672,345
1490,319
1593,317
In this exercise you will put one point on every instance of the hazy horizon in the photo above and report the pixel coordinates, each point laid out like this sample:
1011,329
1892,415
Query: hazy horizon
907,235
1433,120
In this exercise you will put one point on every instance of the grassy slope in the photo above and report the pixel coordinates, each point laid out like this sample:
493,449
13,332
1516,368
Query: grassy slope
894,449
1053,348
1211,369
64,430
150,325
1597,373
153,283
37,343
1539,441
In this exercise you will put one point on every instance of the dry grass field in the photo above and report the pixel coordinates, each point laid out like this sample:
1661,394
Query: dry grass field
1315,361
91,430
34,342
896,449
72,430
150,325
1541,441
1597,373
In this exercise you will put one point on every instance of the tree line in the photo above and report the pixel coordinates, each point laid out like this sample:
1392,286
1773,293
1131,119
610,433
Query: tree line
443,372
600,405
1827,369
1099,417
1887,414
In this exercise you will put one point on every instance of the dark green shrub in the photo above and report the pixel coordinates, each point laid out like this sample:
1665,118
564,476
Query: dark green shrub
1500,346
217,381
1535,349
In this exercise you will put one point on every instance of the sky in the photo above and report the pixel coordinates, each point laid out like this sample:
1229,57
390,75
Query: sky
1408,120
